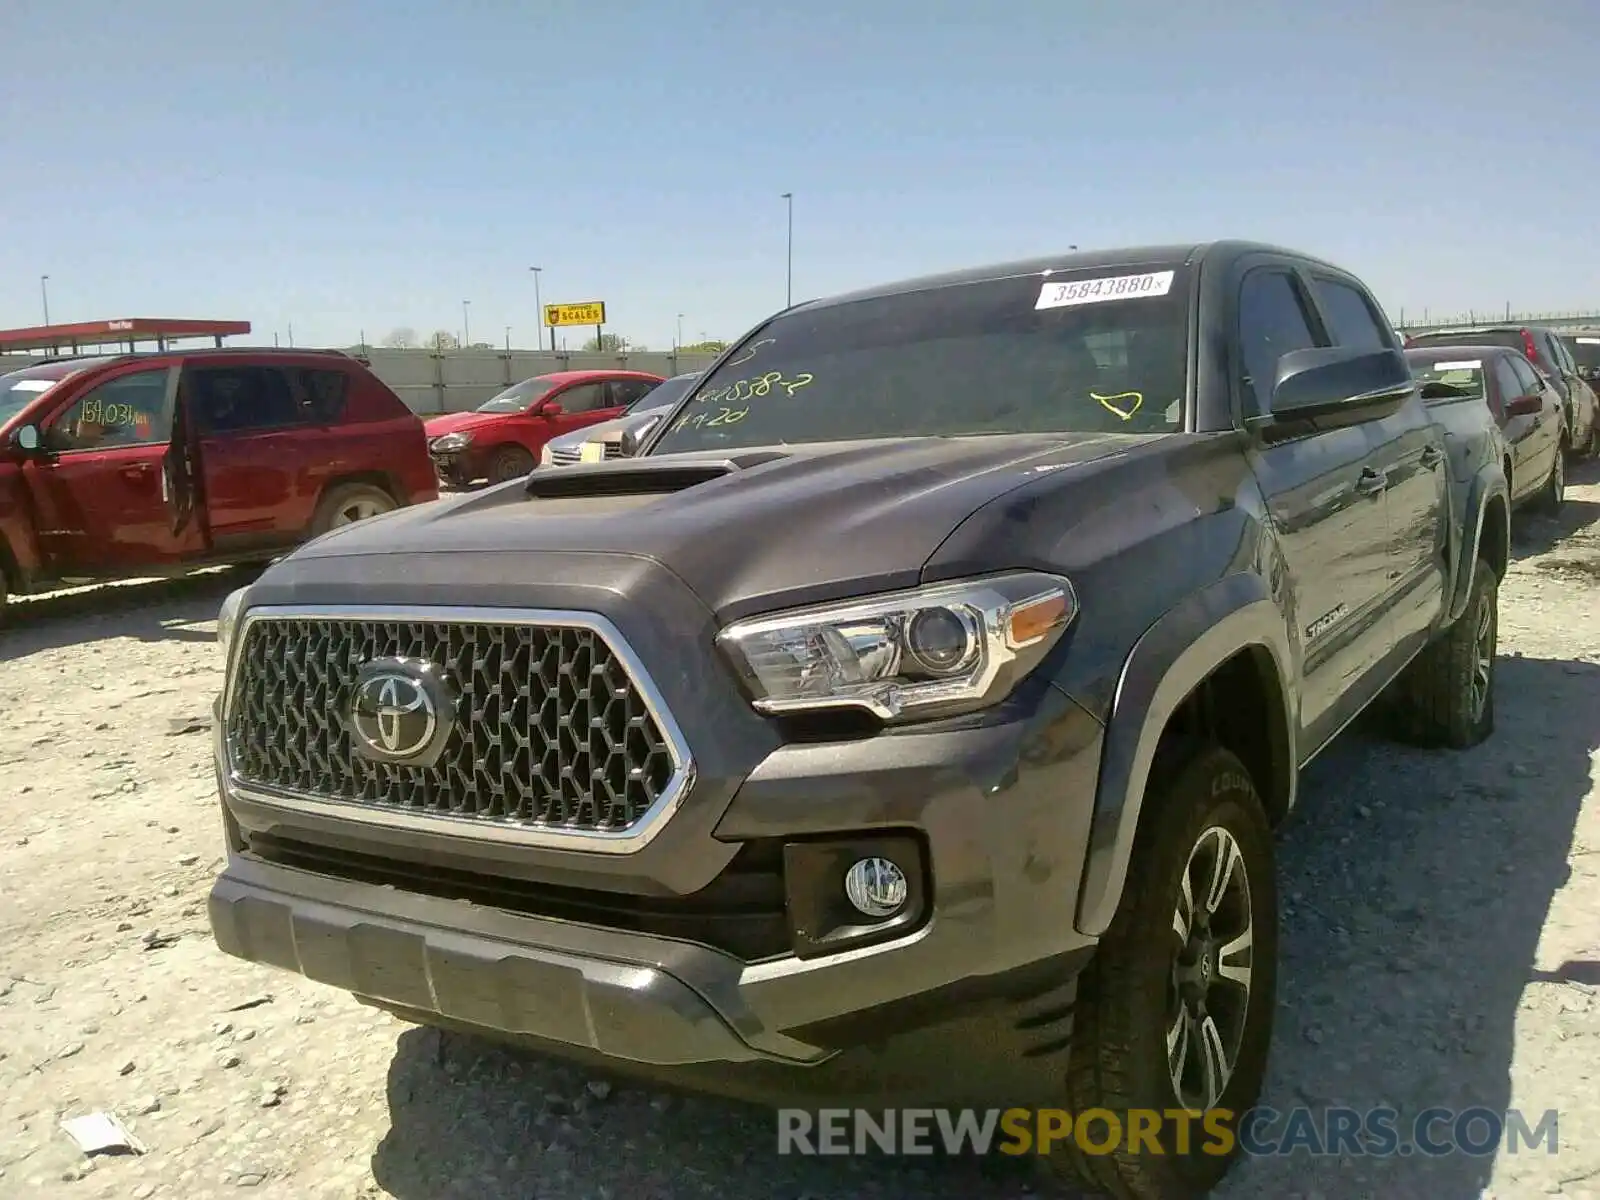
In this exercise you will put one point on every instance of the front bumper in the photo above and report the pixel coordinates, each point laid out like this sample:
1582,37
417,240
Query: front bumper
1003,809
456,469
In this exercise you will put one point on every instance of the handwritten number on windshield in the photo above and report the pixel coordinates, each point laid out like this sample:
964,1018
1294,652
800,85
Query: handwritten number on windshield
724,416
750,352
743,390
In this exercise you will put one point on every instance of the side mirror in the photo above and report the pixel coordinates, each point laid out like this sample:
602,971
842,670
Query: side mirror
26,439
1325,380
634,435
1525,406
551,408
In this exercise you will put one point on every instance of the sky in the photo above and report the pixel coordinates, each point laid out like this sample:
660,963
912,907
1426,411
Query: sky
344,169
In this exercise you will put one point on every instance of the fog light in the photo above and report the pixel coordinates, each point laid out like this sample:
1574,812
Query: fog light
876,887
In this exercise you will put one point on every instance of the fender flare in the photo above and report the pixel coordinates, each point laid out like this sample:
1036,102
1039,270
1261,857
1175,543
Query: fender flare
1486,485
1166,664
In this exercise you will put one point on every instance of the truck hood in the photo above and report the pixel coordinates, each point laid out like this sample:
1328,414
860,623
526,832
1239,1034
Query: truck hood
775,526
461,422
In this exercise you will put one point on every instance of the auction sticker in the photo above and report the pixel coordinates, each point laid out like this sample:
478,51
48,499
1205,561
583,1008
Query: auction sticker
1110,287
592,452
1472,364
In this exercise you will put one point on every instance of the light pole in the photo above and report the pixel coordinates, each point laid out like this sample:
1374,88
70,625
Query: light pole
538,302
679,345
44,294
466,325
789,197
508,339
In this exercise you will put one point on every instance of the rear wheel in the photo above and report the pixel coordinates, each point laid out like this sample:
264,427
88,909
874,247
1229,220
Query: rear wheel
508,463
1554,491
1175,1010
349,503
1446,696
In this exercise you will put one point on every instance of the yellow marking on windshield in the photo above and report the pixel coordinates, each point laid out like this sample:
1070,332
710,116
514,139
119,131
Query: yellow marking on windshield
1130,403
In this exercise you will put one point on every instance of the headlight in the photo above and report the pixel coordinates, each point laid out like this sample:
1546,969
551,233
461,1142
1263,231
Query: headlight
228,620
546,455
447,443
930,652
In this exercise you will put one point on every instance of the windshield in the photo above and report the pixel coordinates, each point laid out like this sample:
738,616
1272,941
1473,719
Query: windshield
1084,352
664,395
21,388
1586,352
1472,337
519,397
1462,376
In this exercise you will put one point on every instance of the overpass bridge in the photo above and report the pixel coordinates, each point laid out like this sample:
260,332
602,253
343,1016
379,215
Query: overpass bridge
1570,322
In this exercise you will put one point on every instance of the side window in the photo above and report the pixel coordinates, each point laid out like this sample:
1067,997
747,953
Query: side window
586,397
1528,383
627,392
1272,322
322,395
1558,348
130,410
1505,375
1349,316
242,399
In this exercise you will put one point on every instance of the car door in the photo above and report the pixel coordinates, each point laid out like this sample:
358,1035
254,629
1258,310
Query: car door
1540,435
582,405
103,489
253,443
1501,388
1412,456
1324,498
1583,400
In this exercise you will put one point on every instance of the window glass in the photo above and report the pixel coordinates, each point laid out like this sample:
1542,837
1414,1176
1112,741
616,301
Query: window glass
1349,316
1272,323
322,394
586,397
1559,350
1463,374
241,399
1528,381
1101,351
130,410
519,397
1506,376
627,392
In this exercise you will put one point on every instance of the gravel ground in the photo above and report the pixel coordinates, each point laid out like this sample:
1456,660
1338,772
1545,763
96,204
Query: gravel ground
1442,948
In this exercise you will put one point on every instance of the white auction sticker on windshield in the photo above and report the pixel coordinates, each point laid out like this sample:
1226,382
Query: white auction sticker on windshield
33,385
1098,291
1471,365
1589,341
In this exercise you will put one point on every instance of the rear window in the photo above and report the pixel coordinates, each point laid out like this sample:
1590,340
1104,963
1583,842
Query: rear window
1102,351
1462,375
1586,352
1478,337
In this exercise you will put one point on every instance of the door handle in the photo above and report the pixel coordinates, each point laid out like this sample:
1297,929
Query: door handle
1432,457
1373,483
136,471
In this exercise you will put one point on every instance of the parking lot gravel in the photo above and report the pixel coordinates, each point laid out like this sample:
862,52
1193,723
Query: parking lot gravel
1442,948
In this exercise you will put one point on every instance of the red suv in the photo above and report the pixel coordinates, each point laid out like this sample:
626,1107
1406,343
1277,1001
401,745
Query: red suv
503,437
146,464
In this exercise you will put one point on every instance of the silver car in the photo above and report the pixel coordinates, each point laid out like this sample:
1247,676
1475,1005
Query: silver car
596,443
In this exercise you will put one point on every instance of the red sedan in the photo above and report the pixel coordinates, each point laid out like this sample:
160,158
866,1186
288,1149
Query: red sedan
502,438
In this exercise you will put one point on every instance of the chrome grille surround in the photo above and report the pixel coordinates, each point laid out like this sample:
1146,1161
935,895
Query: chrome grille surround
517,768
565,456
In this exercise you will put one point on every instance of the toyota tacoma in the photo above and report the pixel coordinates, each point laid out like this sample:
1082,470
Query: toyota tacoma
908,721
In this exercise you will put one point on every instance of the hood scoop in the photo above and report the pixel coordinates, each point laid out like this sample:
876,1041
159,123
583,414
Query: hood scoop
638,476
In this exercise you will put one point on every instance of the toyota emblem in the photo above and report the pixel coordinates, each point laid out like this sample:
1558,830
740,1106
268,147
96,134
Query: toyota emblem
401,711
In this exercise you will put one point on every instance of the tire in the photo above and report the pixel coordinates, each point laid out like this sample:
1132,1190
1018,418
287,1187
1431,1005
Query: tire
349,503
508,463
1445,698
1203,802
1554,492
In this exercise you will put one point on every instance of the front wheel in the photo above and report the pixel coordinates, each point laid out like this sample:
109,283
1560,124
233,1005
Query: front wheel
348,504
510,462
1175,1010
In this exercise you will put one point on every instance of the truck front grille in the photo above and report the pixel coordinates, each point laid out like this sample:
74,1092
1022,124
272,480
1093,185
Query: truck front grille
564,456
555,734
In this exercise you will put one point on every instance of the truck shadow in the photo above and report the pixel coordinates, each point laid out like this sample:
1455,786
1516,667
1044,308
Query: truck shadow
147,609
1415,888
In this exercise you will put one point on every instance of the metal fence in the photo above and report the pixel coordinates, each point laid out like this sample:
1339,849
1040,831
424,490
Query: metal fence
456,380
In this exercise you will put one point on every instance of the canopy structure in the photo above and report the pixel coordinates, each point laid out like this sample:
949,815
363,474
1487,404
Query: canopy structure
128,333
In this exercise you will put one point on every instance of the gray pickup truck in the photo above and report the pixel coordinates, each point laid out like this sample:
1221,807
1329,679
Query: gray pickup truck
908,721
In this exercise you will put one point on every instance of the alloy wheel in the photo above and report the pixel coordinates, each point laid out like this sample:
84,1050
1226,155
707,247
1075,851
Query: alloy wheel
1482,660
1209,996
358,509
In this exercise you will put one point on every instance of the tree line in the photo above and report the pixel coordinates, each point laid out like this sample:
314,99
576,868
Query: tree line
405,338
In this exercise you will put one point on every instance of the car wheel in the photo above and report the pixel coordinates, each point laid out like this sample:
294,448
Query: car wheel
510,462
349,503
1175,1009
1554,491
1446,696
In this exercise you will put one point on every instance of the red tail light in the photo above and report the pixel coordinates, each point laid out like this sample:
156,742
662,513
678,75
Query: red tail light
1528,347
